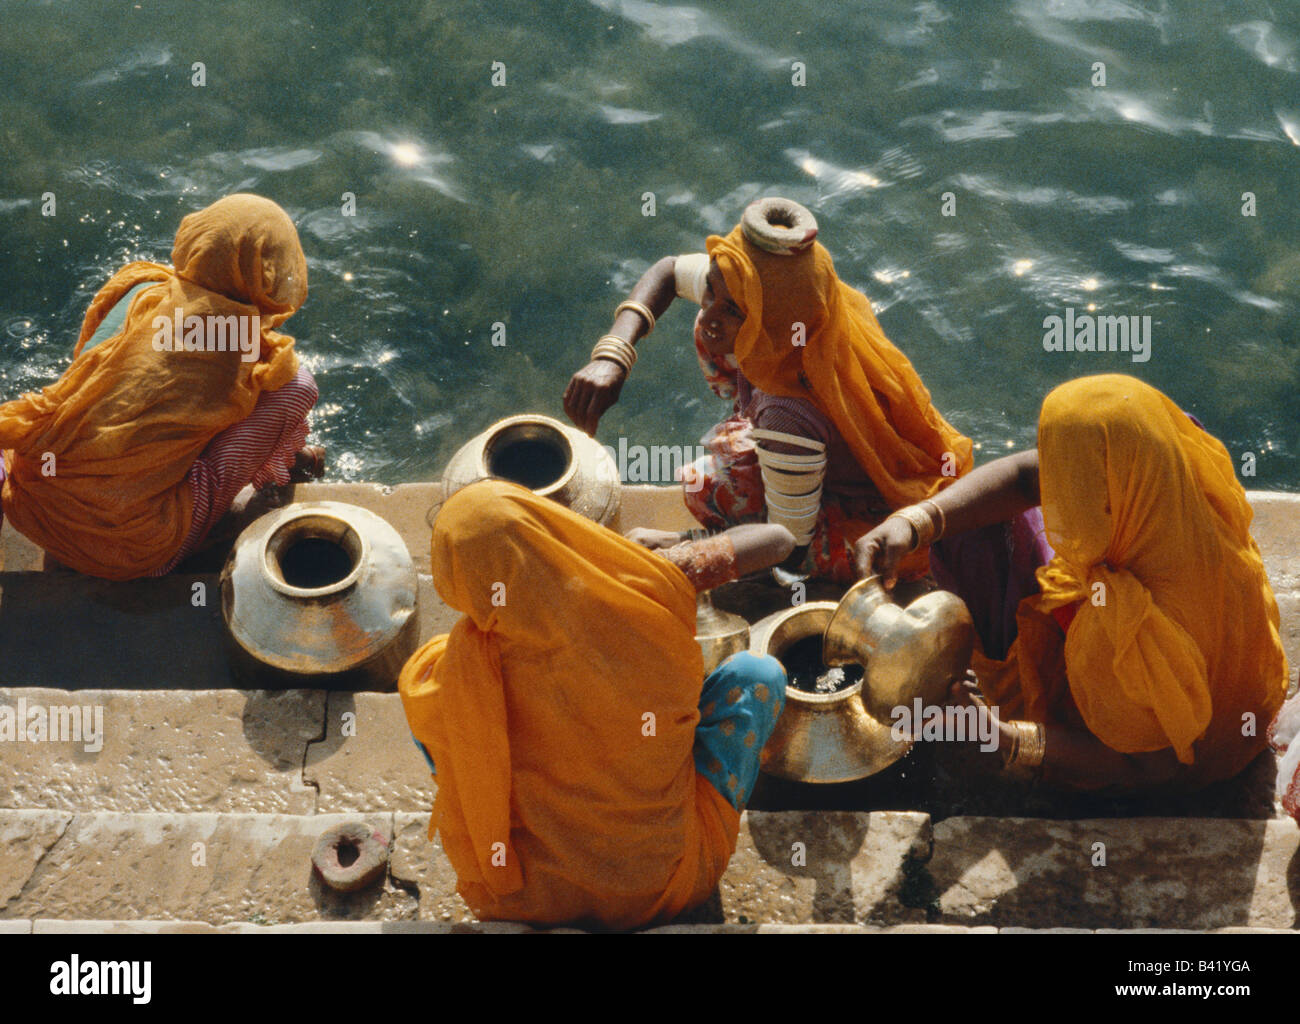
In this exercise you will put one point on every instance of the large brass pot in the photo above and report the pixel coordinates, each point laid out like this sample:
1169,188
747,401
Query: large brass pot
549,458
320,594
821,737
910,652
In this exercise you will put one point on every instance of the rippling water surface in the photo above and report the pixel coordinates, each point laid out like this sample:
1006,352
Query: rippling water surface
522,204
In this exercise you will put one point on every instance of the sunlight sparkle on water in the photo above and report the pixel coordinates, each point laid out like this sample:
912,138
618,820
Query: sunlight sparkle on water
1021,267
406,154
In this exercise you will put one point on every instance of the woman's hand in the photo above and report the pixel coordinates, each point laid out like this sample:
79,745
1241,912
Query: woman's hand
653,539
591,391
965,691
880,551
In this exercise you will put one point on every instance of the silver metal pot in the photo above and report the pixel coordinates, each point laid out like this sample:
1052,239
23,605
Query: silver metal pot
720,634
320,594
549,458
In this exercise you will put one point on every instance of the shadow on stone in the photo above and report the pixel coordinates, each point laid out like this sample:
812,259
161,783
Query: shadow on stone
65,630
1099,873
823,852
279,724
348,906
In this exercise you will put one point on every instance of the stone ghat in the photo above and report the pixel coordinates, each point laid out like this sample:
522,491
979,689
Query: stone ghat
199,809
105,869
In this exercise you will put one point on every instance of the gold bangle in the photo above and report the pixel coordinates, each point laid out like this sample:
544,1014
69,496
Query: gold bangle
616,350
1028,749
936,514
622,344
920,520
642,309
614,355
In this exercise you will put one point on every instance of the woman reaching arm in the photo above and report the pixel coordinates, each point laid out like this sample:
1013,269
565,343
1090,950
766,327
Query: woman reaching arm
1152,654
831,426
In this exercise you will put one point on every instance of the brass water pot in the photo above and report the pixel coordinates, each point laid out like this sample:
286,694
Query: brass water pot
549,458
907,652
821,737
720,634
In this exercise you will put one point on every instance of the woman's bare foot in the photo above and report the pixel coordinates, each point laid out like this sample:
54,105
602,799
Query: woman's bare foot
308,465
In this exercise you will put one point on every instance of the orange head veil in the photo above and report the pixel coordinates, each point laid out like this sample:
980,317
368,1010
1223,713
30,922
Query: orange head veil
809,335
531,707
242,249
127,419
1151,533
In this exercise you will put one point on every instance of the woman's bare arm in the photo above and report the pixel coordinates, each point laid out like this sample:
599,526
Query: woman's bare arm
596,387
729,555
993,493
1078,760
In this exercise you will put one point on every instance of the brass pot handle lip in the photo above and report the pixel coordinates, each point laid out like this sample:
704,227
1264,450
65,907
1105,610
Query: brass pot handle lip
853,591
864,584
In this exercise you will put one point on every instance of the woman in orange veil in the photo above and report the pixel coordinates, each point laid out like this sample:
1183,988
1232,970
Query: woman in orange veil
587,772
123,465
1152,655
813,380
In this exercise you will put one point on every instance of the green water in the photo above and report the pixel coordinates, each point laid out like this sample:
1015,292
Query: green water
522,204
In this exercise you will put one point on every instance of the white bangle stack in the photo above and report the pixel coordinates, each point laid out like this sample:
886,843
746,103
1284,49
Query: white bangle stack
792,484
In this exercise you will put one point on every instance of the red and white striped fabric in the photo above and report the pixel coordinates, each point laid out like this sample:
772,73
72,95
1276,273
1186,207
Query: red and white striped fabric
258,450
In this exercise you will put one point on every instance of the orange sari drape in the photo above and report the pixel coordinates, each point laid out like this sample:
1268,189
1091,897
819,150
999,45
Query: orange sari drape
845,366
560,712
1175,643
97,461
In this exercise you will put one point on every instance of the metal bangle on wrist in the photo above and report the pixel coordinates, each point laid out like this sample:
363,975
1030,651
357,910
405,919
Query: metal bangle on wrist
922,522
642,310
1028,750
616,350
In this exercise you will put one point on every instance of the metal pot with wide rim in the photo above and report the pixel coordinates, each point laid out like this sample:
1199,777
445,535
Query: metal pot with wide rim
821,737
320,594
549,458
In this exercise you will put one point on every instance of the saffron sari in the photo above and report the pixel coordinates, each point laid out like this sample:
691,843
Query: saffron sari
561,715
1174,642
808,335
97,462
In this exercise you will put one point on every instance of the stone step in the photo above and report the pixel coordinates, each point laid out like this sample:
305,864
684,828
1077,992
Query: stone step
251,751
880,869
312,751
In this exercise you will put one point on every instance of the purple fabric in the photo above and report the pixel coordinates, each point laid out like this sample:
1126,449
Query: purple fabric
993,570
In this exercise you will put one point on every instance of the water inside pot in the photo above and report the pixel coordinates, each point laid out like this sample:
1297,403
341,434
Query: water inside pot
803,664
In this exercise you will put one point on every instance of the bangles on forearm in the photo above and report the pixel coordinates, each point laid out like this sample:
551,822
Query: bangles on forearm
642,310
616,350
1027,750
928,524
